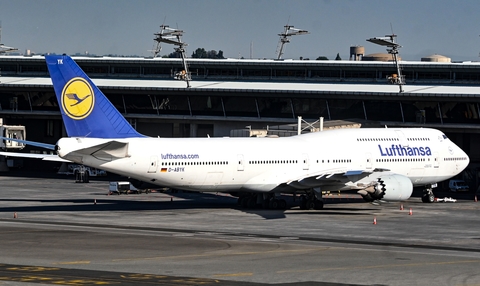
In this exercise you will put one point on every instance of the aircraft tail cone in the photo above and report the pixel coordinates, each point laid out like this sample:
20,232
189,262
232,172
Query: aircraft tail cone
410,212
374,220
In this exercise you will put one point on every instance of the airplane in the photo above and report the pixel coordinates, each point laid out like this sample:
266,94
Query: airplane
5,49
380,164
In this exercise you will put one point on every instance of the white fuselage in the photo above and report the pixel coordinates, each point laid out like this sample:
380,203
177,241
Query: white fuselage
423,155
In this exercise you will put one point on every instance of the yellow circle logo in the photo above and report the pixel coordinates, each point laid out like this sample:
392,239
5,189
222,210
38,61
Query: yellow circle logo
77,98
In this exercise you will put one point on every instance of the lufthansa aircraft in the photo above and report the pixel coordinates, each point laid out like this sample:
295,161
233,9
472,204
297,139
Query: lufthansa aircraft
380,164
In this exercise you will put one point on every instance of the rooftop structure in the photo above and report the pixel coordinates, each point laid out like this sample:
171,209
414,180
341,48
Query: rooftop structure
415,72
174,37
285,38
389,42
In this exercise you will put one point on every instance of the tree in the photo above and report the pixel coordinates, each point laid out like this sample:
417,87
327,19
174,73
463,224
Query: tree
173,55
322,58
212,54
338,58
201,53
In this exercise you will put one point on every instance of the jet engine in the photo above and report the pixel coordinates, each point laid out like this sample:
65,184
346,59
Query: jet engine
388,188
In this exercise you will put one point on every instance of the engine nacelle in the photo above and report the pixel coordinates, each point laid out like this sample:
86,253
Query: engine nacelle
388,188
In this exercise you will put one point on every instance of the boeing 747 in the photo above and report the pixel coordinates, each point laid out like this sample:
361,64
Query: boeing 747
380,164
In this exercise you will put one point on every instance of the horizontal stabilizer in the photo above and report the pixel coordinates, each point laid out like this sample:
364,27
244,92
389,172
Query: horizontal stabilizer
44,157
106,151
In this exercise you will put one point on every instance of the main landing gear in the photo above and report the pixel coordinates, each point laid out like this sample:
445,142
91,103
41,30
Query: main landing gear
428,196
264,201
312,200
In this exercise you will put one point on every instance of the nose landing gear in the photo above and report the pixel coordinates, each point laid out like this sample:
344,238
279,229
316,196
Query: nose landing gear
428,196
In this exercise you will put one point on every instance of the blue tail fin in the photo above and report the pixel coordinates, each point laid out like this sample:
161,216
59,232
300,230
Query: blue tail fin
86,111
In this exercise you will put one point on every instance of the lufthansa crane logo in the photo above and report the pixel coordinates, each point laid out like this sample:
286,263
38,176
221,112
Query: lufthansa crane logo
77,98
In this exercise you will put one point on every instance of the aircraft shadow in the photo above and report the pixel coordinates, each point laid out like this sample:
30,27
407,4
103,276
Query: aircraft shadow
84,205
179,201
189,201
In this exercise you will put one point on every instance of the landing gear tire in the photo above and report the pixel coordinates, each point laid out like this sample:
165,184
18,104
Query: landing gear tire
310,205
252,202
303,202
428,197
277,204
318,205
242,202
266,204
273,205
239,201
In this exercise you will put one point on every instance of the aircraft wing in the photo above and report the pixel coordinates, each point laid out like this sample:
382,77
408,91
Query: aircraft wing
330,177
45,157
6,49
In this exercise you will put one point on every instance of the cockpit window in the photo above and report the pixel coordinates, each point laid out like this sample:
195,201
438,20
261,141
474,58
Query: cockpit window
445,136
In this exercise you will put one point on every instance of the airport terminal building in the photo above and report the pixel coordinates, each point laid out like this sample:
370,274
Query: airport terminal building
231,94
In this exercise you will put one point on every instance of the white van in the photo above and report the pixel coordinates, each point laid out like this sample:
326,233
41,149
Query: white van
458,186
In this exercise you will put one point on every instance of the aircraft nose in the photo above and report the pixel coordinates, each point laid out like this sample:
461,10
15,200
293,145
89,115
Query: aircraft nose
466,161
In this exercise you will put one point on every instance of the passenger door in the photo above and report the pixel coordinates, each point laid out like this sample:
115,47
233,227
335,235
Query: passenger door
153,164
240,166
368,160
306,163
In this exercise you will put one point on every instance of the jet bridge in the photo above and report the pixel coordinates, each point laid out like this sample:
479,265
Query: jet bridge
15,132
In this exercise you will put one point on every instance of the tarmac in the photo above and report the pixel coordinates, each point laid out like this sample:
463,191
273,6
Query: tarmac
54,231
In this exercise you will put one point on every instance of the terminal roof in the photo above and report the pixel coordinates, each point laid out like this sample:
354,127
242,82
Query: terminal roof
262,87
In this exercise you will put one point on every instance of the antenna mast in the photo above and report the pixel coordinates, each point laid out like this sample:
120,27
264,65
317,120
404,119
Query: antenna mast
285,38
174,37
389,42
